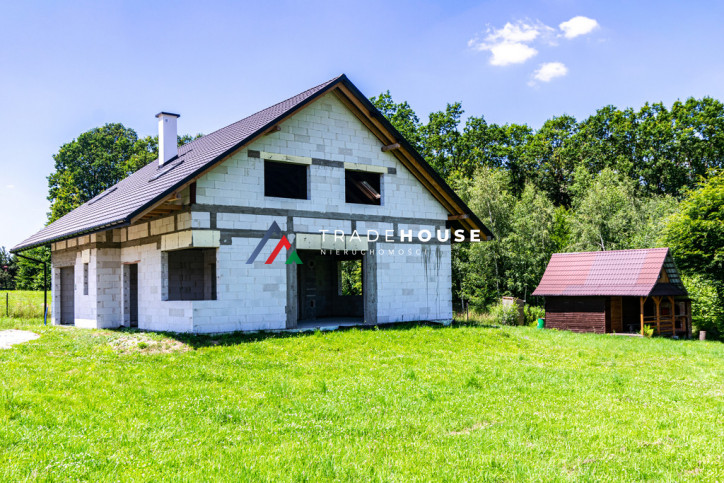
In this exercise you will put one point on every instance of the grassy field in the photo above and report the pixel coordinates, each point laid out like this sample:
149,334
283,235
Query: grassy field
22,303
411,403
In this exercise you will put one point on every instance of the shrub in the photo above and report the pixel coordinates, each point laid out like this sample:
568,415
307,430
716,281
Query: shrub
707,306
504,314
533,313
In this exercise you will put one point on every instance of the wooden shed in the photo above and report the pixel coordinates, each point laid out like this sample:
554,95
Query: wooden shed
617,291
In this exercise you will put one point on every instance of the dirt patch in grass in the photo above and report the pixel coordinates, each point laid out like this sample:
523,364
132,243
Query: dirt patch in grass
144,344
9,338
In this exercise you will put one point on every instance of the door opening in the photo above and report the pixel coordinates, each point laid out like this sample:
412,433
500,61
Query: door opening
67,296
133,294
330,287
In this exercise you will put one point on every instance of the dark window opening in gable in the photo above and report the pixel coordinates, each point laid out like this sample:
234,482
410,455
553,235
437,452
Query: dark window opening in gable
192,274
362,187
285,180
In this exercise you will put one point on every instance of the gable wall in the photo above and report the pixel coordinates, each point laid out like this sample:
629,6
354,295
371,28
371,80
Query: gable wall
326,130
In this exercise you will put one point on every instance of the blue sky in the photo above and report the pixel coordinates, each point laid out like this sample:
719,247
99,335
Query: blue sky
66,67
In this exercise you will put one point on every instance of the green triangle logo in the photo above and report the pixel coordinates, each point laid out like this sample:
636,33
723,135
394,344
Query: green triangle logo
293,258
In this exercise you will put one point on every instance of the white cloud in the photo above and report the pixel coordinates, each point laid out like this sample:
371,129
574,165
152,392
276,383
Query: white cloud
515,53
10,186
549,71
578,26
509,45
519,32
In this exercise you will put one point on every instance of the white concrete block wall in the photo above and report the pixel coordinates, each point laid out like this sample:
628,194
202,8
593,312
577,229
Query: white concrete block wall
85,305
415,229
200,220
412,286
162,225
154,313
101,306
184,221
240,221
314,225
249,297
138,231
380,227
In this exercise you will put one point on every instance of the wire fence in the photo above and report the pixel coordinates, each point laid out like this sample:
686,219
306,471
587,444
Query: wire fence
22,304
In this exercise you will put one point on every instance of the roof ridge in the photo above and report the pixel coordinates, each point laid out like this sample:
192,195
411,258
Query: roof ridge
613,251
318,86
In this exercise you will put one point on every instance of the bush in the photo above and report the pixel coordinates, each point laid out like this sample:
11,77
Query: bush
533,313
707,306
504,314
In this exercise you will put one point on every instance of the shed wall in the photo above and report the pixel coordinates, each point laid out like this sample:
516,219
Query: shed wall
577,314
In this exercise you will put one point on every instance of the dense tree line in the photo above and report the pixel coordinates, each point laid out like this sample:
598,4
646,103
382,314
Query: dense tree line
616,180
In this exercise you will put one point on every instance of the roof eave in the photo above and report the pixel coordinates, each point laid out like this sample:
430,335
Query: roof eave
88,231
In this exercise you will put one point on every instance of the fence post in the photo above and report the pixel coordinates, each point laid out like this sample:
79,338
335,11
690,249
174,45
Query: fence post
7,304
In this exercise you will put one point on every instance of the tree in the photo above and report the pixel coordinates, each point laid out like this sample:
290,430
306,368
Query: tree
89,165
30,274
696,233
531,241
441,145
95,161
479,268
8,270
551,157
707,305
604,212
402,117
653,215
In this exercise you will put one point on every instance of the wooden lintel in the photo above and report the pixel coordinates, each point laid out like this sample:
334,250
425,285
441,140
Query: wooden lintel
390,147
464,216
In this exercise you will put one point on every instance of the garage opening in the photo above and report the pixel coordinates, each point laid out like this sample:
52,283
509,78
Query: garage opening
330,288
67,296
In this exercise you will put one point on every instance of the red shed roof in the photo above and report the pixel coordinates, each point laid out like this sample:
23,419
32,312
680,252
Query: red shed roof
618,272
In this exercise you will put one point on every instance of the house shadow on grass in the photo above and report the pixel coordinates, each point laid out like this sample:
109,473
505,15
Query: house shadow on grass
197,341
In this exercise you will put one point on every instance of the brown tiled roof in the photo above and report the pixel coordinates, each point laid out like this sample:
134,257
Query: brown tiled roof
618,272
119,204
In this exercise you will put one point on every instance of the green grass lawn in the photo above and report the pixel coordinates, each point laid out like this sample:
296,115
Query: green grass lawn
412,403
